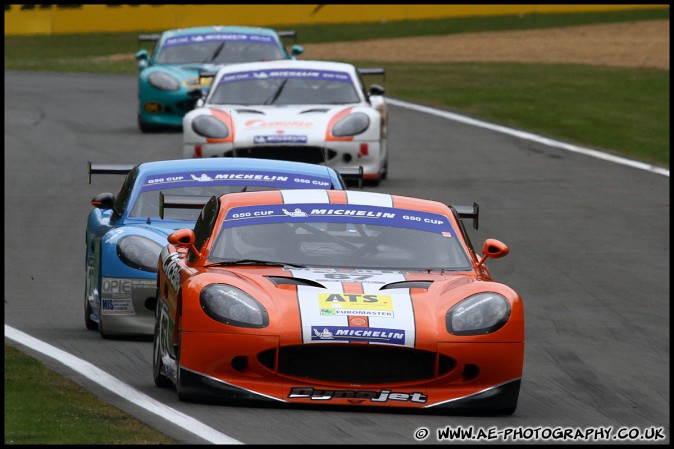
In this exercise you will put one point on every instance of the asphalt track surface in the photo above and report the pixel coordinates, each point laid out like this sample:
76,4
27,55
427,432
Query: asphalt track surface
589,244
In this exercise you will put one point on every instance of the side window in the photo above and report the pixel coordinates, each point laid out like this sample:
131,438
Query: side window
204,225
122,197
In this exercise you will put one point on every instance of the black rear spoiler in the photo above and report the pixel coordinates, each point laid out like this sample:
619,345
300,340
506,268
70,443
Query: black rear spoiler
284,34
149,37
469,212
364,71
352,174
108,169
181,202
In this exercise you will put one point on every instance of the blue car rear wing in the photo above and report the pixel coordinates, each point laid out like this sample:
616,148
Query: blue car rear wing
181,202
108,169
468,212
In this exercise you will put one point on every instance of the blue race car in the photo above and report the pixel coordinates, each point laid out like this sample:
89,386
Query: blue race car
126,232
168,79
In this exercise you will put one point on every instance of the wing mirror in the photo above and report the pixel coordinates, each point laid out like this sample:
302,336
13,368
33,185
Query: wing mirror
183,238
377,89
296,50
492,249
103,200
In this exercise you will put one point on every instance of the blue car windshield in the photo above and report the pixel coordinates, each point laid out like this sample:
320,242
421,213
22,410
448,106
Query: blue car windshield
285,87
330,235
207,183
221,48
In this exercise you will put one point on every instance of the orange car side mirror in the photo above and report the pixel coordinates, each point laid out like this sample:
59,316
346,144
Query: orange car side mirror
493,249
183,238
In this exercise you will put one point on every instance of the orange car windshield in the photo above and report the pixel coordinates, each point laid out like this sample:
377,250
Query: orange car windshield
340,241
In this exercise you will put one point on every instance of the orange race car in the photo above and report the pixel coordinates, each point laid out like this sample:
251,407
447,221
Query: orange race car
338,298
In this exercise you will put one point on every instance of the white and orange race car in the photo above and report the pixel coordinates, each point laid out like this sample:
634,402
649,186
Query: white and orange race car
345,298
307,111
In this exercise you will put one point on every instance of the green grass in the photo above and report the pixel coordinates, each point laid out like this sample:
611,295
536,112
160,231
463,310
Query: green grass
41,407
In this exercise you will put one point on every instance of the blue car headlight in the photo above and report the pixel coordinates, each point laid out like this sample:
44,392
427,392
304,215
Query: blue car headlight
209,126
482,313
139,252
232,306
163,81
351,125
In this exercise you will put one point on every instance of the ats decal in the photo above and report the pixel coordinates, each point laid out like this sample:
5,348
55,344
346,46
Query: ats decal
372,396
368,334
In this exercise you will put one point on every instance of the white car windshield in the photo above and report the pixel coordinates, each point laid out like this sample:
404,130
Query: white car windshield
285,87
330,235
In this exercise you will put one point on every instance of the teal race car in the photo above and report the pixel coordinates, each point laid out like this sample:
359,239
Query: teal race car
168,77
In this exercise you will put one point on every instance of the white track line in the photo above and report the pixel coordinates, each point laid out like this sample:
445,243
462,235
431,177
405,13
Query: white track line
529,136
120,388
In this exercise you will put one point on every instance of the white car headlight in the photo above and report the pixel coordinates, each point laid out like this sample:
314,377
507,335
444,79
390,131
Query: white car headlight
483,313
209,126
351,125
232,306
163,81
139,252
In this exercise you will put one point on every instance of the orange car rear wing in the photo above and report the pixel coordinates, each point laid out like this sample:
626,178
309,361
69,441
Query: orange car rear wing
108,169
364,71
468,212
181,202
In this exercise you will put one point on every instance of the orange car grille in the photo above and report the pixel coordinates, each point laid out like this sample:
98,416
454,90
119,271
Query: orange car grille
357,363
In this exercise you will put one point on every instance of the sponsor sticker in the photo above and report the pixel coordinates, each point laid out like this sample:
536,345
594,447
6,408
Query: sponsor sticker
232,178
280,138
371,395
328,75
364,334
218,37
338,213
341,304
111,306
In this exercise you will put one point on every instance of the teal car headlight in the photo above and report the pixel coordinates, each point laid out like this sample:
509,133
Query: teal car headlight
209,126
232,306
163,81
483,313
139,252
351,125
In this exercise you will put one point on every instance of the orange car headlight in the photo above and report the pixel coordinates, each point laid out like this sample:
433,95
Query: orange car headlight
482,313
230,305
